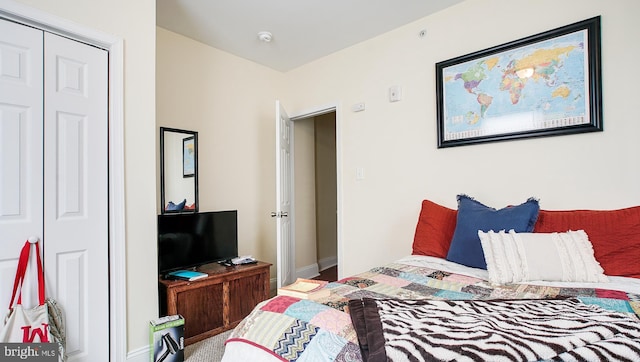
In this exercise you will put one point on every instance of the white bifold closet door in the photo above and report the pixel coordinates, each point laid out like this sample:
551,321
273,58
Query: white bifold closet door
54,176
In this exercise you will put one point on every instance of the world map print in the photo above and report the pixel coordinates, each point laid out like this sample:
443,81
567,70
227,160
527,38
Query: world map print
533,87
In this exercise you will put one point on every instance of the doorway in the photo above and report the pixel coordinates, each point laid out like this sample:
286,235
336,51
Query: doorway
315,196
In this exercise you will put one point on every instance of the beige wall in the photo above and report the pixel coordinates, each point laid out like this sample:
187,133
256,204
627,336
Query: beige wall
230,102
395,143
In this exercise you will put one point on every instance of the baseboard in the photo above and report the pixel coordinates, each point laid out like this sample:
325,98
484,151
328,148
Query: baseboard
308,272
326,263
139,355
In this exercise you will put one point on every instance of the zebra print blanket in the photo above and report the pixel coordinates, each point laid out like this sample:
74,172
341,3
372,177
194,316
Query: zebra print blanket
492,330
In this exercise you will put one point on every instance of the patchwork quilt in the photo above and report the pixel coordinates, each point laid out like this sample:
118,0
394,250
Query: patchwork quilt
292,329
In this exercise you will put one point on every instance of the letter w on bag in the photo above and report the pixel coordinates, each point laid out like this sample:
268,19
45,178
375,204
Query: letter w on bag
28,335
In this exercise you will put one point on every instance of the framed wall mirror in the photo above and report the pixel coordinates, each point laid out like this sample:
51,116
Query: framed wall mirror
178,170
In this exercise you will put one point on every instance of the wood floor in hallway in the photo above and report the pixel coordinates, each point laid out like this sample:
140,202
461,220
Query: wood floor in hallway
329,274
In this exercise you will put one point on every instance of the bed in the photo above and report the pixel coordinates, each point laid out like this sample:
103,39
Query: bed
430,307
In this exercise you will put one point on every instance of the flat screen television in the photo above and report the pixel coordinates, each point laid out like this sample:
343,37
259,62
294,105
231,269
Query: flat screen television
189,240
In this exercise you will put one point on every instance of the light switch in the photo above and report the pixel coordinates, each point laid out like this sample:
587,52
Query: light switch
358,107
359,173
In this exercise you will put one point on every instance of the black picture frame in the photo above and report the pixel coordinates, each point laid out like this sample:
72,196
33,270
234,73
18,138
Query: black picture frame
567,59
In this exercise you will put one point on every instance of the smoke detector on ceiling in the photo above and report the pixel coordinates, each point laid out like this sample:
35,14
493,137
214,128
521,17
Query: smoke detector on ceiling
265,36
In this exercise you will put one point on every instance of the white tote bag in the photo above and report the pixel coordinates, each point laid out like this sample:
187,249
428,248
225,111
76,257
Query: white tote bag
24,325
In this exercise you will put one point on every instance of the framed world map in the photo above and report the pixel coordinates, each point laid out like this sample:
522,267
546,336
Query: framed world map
543,85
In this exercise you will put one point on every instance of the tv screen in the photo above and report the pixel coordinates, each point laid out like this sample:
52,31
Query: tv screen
192,239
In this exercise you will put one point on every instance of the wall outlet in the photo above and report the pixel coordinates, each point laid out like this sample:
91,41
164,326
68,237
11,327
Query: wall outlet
395,93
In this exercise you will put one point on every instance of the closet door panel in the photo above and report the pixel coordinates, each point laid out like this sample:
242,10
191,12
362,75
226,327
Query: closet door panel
21,138
76,189
71,170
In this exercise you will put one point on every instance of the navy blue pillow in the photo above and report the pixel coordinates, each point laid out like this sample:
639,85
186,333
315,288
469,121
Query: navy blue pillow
473,216
175,207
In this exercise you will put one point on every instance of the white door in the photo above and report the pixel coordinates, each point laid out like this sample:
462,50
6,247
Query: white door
285,246
76,199
21,119
58,193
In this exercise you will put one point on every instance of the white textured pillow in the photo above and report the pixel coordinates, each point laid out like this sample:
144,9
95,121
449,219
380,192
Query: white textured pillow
517,257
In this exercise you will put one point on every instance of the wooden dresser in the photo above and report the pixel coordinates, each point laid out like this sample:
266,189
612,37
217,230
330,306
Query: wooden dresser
218,302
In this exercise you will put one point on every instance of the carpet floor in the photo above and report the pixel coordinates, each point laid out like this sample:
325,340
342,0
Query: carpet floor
209,350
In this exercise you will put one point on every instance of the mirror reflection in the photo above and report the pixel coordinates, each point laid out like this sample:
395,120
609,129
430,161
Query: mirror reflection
178,170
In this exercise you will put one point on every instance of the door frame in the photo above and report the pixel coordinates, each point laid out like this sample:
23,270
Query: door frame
310,113
114,46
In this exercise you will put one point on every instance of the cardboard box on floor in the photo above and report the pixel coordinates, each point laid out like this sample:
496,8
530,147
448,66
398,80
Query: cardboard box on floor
167,339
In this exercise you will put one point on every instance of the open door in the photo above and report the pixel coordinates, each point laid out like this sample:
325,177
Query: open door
285,246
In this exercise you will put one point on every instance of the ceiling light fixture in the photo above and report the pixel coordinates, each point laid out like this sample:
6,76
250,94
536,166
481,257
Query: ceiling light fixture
265,36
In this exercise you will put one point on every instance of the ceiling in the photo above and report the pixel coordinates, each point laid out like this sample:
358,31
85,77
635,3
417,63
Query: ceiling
302,30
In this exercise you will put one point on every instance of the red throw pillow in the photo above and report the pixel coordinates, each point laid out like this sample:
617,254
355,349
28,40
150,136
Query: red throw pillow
190,207
434,231
615,235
